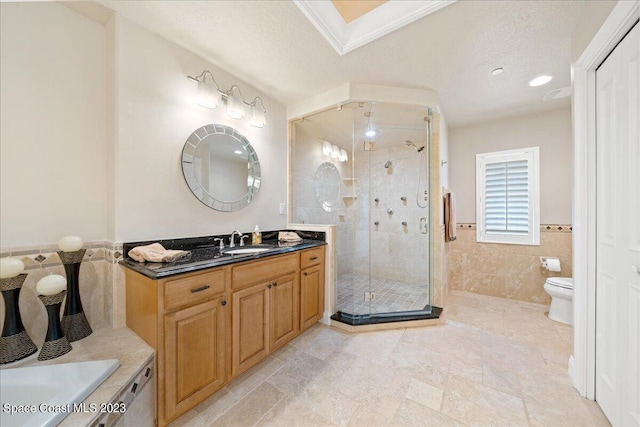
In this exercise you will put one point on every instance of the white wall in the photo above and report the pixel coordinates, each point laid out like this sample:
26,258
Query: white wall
52,125
444,152
155,111
594,14
550,131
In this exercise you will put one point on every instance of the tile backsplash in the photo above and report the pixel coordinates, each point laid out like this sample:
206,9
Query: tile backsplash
509,271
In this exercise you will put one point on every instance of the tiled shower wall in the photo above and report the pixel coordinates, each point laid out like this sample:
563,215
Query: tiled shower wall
509,271
101,285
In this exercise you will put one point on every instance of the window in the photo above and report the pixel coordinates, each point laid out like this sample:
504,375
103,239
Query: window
508,196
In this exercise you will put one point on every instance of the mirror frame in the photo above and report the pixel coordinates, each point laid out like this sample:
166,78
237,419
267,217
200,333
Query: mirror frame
188,152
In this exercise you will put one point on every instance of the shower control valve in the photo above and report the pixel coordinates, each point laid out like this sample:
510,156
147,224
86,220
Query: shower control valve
390,211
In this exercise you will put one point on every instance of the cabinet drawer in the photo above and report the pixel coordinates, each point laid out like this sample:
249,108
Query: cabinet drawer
192,289
250,273
311,257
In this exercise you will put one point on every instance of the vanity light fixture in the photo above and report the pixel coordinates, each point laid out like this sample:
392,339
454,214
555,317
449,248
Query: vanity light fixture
333,151
343,156
210,95
326,148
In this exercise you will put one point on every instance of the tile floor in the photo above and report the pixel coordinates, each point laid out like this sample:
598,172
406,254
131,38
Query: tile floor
390,295
491,361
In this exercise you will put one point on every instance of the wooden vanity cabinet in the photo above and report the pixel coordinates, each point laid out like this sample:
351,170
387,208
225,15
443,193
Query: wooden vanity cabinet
311,286
210,326
185,319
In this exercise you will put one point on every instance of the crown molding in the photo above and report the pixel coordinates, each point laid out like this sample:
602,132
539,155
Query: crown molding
381,21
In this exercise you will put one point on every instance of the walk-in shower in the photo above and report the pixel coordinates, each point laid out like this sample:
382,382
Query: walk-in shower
383,238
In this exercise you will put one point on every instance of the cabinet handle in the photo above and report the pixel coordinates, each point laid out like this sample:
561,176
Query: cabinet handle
275,283
269,286
200,289
313,258
223,303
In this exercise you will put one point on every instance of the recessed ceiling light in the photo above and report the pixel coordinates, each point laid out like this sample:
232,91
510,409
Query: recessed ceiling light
540,80
237,152
370,133
497,71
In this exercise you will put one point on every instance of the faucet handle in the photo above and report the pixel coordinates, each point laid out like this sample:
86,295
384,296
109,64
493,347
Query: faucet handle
221,242
242,240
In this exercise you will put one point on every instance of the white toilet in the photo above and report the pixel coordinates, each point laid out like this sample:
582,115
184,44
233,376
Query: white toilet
561,291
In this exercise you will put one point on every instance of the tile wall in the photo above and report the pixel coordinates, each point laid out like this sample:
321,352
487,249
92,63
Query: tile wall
509,271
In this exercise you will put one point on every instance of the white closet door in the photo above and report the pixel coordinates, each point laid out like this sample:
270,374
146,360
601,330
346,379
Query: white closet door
618,233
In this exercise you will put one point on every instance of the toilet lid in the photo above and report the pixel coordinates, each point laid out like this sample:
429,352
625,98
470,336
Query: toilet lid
562,282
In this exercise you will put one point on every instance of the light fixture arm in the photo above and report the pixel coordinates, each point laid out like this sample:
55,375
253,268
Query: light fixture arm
255,103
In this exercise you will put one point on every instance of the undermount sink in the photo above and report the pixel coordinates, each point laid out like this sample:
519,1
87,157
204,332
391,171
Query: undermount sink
246,250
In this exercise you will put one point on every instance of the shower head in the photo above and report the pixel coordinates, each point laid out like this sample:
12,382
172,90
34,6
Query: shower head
388,164
411,144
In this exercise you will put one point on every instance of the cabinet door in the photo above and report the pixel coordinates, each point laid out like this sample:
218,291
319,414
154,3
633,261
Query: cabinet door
283,310
250,319
311,295
194,355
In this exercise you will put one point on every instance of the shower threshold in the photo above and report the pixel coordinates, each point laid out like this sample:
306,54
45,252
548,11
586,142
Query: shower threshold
428,313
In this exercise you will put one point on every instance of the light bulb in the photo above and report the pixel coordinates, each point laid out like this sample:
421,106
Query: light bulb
326,148
257,116
370,133
235,107
207,95
335,152
343,156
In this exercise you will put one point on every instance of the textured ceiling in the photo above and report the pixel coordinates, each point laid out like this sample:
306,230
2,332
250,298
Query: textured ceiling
272,45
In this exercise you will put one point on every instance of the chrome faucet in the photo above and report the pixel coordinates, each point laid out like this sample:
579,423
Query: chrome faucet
242,240
231,239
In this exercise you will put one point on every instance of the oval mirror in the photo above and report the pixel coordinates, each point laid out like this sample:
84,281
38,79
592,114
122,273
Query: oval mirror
327,185
221,167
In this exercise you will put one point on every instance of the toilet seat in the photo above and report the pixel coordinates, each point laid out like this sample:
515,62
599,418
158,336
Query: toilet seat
561,282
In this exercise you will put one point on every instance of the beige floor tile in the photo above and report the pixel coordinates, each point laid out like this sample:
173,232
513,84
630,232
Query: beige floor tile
293,413
475,404
412,413
425,394
252,407
491,362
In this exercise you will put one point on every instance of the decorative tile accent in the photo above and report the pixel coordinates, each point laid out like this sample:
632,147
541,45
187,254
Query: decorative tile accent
467,226
554,228
40,258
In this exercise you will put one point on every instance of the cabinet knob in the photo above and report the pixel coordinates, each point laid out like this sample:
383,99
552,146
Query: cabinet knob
275,283
269,286
223,302
305,273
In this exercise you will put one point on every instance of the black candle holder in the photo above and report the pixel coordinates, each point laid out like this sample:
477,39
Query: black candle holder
55,343
74,322
15,343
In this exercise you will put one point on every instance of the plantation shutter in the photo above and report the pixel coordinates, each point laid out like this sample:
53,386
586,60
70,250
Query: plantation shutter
507,197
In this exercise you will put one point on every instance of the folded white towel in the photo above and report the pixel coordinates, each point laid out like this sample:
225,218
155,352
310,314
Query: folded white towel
288,236
155,252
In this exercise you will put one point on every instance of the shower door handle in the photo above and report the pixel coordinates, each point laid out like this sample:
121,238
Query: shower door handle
424,229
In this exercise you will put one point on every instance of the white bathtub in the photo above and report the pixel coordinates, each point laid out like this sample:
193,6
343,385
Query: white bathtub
45,395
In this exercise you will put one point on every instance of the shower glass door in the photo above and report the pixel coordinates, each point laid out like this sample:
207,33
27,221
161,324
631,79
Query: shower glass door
392,164
382,209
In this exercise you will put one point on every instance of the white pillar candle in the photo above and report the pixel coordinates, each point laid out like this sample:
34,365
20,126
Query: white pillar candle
51,285
70,243
10,267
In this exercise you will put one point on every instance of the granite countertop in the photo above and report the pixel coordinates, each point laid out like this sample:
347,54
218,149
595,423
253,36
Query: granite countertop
105,343
206,254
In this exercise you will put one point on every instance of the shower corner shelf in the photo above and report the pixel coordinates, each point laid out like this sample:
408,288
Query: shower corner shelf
349,196
349,179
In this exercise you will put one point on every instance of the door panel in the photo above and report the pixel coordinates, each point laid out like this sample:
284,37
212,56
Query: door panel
310,289
250,327
618,233
283,310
